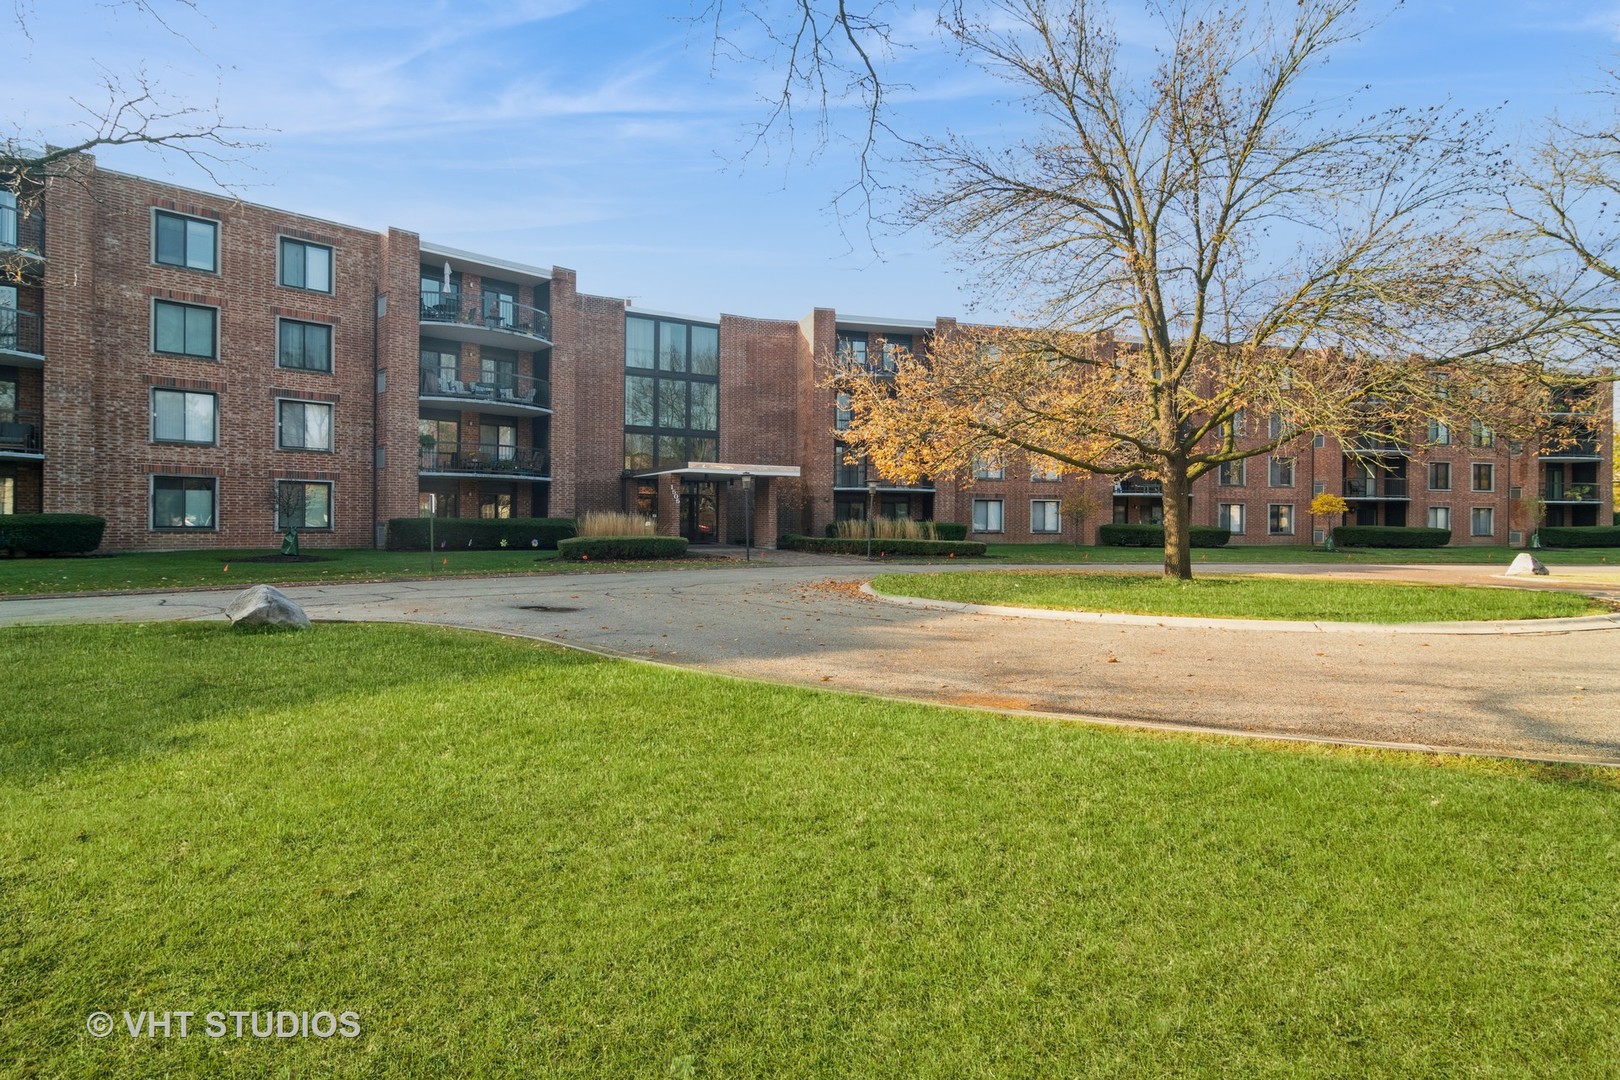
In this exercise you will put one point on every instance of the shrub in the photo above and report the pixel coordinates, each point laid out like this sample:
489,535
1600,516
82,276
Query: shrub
1390,536
1145,536
607,548
51,534
613,523
881,546
482,534
950,530
1580,536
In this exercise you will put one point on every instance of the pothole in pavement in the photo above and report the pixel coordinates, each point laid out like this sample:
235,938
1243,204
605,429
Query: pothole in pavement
545,607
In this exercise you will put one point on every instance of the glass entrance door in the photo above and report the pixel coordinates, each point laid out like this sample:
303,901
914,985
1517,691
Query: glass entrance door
699,519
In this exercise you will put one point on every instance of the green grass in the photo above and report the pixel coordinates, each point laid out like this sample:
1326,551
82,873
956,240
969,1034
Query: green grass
1233,597
514,861
192,569
1267,554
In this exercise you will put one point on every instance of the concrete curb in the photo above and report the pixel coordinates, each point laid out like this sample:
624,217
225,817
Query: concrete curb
1461,629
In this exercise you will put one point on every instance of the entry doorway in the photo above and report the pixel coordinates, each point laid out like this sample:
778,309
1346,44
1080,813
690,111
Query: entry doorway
700,518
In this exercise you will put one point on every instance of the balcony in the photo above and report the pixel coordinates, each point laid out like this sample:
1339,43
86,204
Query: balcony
485,460
1373,446
502,324
1583,447
854,477
504,395
1375,487
22,338
1146,489
19,435
22,232
1570,493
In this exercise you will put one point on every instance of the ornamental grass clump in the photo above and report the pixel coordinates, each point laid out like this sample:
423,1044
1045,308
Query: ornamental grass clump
884,528
613,523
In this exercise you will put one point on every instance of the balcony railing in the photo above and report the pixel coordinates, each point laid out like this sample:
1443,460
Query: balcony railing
1138,487
1371,444
856,476
449,306
19,431
22,232
1381,487
485,459
1581,446
501,388
21,331
1570,493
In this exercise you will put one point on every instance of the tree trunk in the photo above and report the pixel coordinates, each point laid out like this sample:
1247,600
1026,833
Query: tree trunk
1177,520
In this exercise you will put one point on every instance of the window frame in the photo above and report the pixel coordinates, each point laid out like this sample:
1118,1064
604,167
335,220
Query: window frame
282,243
1056,513
1272,518
159,303
1242,480
1277,462
159,215
1433,465
1429,517
1224,516
1473,520
304,404
154,437
282,323
1474,474
151,502
1001,516
331,516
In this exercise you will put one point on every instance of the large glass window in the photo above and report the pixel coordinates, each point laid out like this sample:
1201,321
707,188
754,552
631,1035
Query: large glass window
303,425
183,502
499,302
186,329
305,345
306,266
303,504
184,416
987,515
189,242
671,392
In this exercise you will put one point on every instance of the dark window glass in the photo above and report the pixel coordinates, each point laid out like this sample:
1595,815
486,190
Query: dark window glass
187,242
638,400
305,345
306,266
638,452
705,350
185,329
640,349
183,502
180,416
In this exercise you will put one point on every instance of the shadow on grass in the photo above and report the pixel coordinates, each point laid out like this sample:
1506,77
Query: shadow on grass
91,695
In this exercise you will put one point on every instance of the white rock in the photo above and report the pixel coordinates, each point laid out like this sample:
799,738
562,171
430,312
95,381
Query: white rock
1526,565
263,605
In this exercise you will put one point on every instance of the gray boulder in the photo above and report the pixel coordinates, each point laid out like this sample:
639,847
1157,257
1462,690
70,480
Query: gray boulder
1526,565
263,605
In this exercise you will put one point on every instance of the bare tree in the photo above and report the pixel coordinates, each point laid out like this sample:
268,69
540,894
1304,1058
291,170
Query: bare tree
128,110
1200,243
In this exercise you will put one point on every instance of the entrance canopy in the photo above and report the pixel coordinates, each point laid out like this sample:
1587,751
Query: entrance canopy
716,470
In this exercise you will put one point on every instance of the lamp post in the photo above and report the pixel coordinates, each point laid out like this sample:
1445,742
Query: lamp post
748,516
871,524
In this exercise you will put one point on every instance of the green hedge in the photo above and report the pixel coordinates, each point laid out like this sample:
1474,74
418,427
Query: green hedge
1152,536
480,534
606,548
834,546
1390,536
1580,536
51,534
943,530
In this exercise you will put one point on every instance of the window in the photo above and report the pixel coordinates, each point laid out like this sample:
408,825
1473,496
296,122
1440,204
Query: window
1230,517
1439,517
1045,473
440,439
1484,476
1319,441
497,442
8,219
303,504
1280,519
185,329
844,412
852,351
987,515
183,416
495,504
1318,487
303,425
1043,516
1279,428
305,345
639,349
893,347
8,491
705,350
989,468
498,301
1280,472
1479,436
188,242
1483,521
671,392
1439,476
183,502
1231,473
306,266
1439,434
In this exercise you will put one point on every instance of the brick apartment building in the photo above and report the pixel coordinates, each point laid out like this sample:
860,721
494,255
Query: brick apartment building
202,371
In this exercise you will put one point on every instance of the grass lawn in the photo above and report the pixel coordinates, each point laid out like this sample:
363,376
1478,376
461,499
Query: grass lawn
189,569
1245,597
1265,554
515,861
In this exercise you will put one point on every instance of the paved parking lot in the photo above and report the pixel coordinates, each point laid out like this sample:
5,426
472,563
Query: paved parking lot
1543,694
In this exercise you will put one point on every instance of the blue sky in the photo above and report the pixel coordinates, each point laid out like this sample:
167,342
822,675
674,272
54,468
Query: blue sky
606,136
